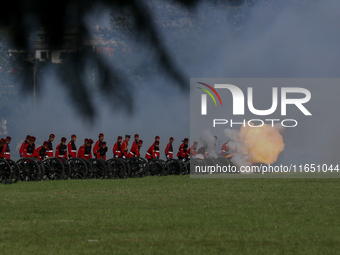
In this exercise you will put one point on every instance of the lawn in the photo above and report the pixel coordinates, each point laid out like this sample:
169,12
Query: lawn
171,215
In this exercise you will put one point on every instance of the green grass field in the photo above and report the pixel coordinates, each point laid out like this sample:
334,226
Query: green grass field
171,215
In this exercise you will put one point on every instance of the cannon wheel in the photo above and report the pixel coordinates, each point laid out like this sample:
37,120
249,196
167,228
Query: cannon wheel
90,171
197,162
175,166
139,167
5,171
99,168
158,167
14,169
30,169
78,168
67,168
225,162
185,167
54,169
108,173
118,168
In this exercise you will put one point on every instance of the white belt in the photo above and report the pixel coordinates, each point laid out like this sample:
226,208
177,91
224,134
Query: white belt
7,153
50,151
148,153
60,156
86,155
170,152
117,151
73,150
157,151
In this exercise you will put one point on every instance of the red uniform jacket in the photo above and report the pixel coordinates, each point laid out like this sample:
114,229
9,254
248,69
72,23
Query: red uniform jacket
81,151
169,152
191,151
224,149
152,153
6,153
41,153
2,155
29,151
23,145
96,147
61,151
101,153
125,148
72,150
117,150
181,151
134,152
85,152
49,150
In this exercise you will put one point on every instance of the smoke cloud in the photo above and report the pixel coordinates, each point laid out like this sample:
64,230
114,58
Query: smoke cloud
279,39
208,141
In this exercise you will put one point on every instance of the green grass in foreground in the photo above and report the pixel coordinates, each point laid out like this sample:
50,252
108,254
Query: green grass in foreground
171,215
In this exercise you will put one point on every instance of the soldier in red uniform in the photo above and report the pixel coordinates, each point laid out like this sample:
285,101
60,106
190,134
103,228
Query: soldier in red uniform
134,147
50,146
153,151
225,149
41,151
2,148
169,151
23,145
136,152
87,150
117,148
29,151
192,150
61,150
98,144
6,149
71,147
101,152
156,139
125,146
181,154
81,148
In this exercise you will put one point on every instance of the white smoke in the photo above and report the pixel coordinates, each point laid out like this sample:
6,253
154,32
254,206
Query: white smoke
236,144
208,141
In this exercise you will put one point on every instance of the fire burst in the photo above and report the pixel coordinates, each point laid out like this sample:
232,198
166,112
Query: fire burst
255,145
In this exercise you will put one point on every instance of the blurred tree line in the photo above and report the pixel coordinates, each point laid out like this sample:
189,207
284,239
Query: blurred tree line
138,29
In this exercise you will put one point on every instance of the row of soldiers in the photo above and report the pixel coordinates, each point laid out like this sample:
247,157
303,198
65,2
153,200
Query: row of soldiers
120,148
